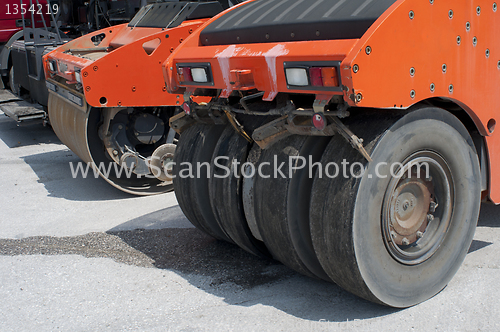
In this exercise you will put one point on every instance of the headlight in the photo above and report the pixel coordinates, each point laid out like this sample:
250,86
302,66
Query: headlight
199,75
297,76
52,65
194,73
78,75
322,75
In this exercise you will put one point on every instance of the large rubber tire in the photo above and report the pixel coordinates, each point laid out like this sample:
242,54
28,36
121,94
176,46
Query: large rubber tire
196,145
281,211
15,88
226,191
347,213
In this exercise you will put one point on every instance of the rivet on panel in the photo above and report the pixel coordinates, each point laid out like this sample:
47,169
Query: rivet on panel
411,14
487,53
133,89
412,71
96,68
267,36
467,26
359,97
355,68
431,1
292,35
478,10
87,89
450,14
495,6
433,87
444,67
368,50
85,74
450,88
498,64
459,40
317,33
412,94
474,41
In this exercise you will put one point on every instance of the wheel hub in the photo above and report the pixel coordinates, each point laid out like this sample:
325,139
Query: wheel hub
417,208
409,208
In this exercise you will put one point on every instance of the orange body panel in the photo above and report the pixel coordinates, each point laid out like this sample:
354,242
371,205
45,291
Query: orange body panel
451,45
129,75
415,51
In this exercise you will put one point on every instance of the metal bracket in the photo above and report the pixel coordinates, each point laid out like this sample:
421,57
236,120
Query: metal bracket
237,126
109,114
355,141
319,105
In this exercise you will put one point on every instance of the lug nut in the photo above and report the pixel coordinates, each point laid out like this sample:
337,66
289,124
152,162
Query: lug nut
432,207
115,152
405,242
393,234
430,217
420,234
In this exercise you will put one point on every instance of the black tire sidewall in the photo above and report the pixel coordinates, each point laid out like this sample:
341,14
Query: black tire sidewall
391,282
13,86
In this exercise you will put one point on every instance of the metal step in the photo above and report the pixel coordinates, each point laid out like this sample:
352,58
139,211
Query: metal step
22,110
6,96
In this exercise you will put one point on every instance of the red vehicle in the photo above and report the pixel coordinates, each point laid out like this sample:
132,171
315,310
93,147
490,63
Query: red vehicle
386,87
11,25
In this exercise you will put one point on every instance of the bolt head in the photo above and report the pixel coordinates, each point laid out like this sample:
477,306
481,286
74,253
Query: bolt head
420,235
115,152
355,68
430,218
405,242
432,207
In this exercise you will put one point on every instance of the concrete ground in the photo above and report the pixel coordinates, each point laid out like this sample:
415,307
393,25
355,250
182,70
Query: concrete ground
79,255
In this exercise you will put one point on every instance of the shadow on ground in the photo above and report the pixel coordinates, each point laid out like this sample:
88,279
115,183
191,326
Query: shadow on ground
25,134
164,240
55,173
489,215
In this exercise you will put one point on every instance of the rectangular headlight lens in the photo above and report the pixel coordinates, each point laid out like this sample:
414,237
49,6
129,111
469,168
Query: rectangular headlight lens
199,75
297,76
52,65
78,75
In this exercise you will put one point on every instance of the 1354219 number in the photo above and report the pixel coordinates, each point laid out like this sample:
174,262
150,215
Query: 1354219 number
35,9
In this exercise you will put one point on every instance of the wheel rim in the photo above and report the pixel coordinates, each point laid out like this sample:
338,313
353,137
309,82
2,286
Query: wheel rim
417,208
